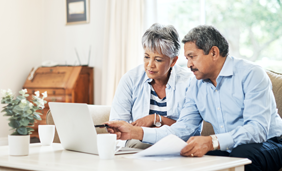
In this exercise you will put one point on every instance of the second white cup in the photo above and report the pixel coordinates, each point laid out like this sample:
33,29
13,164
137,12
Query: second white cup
106,144
46,134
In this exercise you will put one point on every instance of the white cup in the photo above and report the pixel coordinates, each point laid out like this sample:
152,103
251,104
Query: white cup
46,134
106,144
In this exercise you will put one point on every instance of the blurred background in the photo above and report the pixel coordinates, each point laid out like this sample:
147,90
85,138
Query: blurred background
253,28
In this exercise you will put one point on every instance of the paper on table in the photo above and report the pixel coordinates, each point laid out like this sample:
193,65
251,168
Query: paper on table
169,145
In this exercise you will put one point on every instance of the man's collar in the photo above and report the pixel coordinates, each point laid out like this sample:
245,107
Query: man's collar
227,68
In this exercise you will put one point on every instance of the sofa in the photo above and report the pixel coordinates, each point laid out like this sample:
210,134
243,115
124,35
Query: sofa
102,115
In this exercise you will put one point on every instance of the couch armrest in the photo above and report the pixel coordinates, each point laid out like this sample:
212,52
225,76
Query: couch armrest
207,129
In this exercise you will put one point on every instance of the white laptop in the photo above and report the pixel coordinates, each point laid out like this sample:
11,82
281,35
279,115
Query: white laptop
76,129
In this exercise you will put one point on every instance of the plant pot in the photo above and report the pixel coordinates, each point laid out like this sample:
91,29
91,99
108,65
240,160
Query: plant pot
19,145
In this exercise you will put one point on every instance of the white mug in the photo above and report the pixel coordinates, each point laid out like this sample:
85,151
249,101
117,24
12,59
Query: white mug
106,144
46,134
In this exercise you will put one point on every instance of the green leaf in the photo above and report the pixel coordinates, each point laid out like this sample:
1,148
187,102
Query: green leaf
22,130
15,117
24,122
29,129
25,114
29,112
15,133
16,101
17,109
38,113
14,124
9,112
36,116
30,117
20,98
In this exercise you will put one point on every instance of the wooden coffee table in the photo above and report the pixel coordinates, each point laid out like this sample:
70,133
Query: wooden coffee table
55,158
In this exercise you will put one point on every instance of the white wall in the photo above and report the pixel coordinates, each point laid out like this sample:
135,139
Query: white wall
60,40
20,46
32,31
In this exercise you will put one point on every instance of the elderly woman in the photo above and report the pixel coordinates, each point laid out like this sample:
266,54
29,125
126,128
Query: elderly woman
151,95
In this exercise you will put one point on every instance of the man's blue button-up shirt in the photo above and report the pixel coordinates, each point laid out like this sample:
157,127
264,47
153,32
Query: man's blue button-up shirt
241,108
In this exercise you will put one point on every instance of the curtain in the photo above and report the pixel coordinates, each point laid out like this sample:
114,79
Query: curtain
122,44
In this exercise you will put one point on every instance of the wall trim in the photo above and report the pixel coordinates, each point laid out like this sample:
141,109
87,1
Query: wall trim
3,141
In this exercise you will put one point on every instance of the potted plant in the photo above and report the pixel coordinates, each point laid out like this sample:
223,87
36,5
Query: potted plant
22,115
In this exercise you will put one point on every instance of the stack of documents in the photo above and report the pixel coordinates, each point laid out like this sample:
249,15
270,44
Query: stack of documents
169,145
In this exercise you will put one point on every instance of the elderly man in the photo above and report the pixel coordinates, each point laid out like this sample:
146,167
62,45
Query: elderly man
234,95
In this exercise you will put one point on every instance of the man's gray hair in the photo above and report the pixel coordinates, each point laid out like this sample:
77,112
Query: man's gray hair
162,39
205,37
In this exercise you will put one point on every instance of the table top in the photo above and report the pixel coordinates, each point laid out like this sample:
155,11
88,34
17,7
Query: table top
55,158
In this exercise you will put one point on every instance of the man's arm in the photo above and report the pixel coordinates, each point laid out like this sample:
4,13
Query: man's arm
188,124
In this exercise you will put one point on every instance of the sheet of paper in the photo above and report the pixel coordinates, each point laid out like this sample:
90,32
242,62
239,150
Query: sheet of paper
169,145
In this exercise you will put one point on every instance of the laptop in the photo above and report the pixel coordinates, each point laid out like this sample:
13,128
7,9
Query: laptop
75,128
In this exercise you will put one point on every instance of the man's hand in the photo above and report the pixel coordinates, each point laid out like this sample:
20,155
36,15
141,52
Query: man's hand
124,130
197,146
147,121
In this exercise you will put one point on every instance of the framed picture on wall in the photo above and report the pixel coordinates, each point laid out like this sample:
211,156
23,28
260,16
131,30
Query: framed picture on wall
77,11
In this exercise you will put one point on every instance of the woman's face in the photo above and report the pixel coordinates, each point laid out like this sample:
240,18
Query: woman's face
157,65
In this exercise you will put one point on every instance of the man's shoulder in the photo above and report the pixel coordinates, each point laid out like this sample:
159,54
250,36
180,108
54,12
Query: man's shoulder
244,68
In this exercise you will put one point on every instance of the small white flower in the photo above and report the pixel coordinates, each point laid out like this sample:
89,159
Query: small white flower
23,101
44,94
37,93
30,105
9,92
41,103
23,91
3,92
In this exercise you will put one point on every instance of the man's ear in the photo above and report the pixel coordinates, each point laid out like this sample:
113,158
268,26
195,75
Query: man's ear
174,60
214,52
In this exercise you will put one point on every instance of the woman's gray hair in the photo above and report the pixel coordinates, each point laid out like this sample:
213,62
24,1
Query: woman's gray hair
205,37
162,39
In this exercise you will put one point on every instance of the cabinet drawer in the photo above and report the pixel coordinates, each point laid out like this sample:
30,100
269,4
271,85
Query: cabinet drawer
50,92
55,98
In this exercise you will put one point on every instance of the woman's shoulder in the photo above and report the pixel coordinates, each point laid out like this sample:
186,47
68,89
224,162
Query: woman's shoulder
135,75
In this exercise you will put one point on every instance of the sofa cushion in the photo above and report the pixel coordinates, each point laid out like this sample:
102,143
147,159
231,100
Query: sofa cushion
276,80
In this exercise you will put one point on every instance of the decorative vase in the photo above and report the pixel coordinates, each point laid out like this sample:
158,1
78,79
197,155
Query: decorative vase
19,145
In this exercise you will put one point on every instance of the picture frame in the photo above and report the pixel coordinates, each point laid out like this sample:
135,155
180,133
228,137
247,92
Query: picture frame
77,11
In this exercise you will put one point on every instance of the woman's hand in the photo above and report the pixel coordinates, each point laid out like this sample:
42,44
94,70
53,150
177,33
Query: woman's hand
147,121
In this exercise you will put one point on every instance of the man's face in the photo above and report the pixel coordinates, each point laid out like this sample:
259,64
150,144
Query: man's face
199,63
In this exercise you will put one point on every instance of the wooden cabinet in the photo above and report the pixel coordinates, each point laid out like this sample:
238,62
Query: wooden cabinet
73,84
